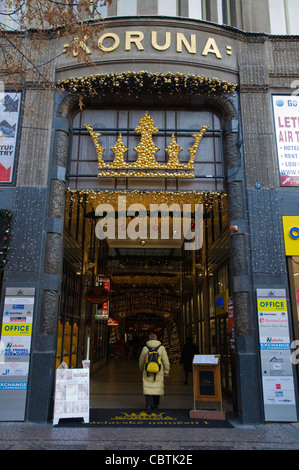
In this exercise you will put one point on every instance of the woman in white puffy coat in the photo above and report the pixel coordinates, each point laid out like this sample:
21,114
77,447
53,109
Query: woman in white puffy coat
153,384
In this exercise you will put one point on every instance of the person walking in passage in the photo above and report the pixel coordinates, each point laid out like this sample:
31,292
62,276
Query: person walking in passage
153,384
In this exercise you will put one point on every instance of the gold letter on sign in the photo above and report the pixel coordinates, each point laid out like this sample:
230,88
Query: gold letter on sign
191,48
167,41
137,40
112,46
212,48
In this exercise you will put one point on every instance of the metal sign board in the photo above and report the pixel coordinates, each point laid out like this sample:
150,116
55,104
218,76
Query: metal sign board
286,120
275,355
15,347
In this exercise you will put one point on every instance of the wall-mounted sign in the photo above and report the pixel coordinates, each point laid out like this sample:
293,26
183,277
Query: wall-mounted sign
286,119
102,311
97,295
124,42
231,325
10,105
15,346
221,303
275,354
291,235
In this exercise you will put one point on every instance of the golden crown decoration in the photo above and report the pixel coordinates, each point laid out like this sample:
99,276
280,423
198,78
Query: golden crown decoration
146,164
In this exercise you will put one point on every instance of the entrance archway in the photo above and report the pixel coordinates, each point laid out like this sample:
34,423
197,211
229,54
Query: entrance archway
199,290
155,287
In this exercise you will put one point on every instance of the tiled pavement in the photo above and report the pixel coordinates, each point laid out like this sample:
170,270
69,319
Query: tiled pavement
32,436
116,389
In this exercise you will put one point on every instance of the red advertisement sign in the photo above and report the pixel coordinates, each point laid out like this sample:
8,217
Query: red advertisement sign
103,310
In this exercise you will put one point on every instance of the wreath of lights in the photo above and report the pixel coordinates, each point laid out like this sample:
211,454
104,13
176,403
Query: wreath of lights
135,82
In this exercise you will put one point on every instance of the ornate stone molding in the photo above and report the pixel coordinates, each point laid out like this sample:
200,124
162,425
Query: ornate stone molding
53,253
49,312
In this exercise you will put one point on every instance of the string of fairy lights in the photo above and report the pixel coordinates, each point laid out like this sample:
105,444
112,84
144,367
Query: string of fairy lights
93,197
136,82
5,236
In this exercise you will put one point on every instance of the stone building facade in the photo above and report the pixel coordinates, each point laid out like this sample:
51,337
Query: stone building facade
245,53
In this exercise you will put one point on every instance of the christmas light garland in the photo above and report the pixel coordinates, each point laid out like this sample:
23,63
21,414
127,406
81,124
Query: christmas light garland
135,82
4,247
94,197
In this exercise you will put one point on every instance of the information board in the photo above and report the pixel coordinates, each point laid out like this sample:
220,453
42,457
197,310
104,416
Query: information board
286,121
205,359
10,106
71,394
275,355
15,347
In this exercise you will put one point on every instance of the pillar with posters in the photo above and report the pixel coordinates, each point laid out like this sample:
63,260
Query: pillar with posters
275,354
15,348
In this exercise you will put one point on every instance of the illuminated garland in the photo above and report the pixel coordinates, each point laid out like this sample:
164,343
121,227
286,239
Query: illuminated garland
135,82
4,247
143,197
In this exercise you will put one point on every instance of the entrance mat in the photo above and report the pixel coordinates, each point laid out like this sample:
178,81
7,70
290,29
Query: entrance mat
140,418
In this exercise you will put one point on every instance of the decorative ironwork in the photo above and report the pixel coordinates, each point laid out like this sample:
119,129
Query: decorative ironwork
146,150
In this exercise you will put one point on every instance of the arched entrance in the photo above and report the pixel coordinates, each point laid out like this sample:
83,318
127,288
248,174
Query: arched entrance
189,281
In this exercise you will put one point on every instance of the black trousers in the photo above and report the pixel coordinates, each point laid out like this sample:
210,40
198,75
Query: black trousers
152,401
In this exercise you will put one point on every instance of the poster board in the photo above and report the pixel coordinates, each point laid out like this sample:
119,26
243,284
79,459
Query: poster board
206,378
285,109
207,386
15,349
10,106
275,356
71,394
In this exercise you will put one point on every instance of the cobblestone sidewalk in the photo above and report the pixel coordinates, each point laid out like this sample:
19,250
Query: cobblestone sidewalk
31,436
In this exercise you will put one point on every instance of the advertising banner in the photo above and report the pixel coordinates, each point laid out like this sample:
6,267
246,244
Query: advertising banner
102,312
275,355
221,303
290,225
15,346
71,394
286,119
10,105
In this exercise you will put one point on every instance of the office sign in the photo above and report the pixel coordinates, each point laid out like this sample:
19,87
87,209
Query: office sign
275,356
286,119
15,346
